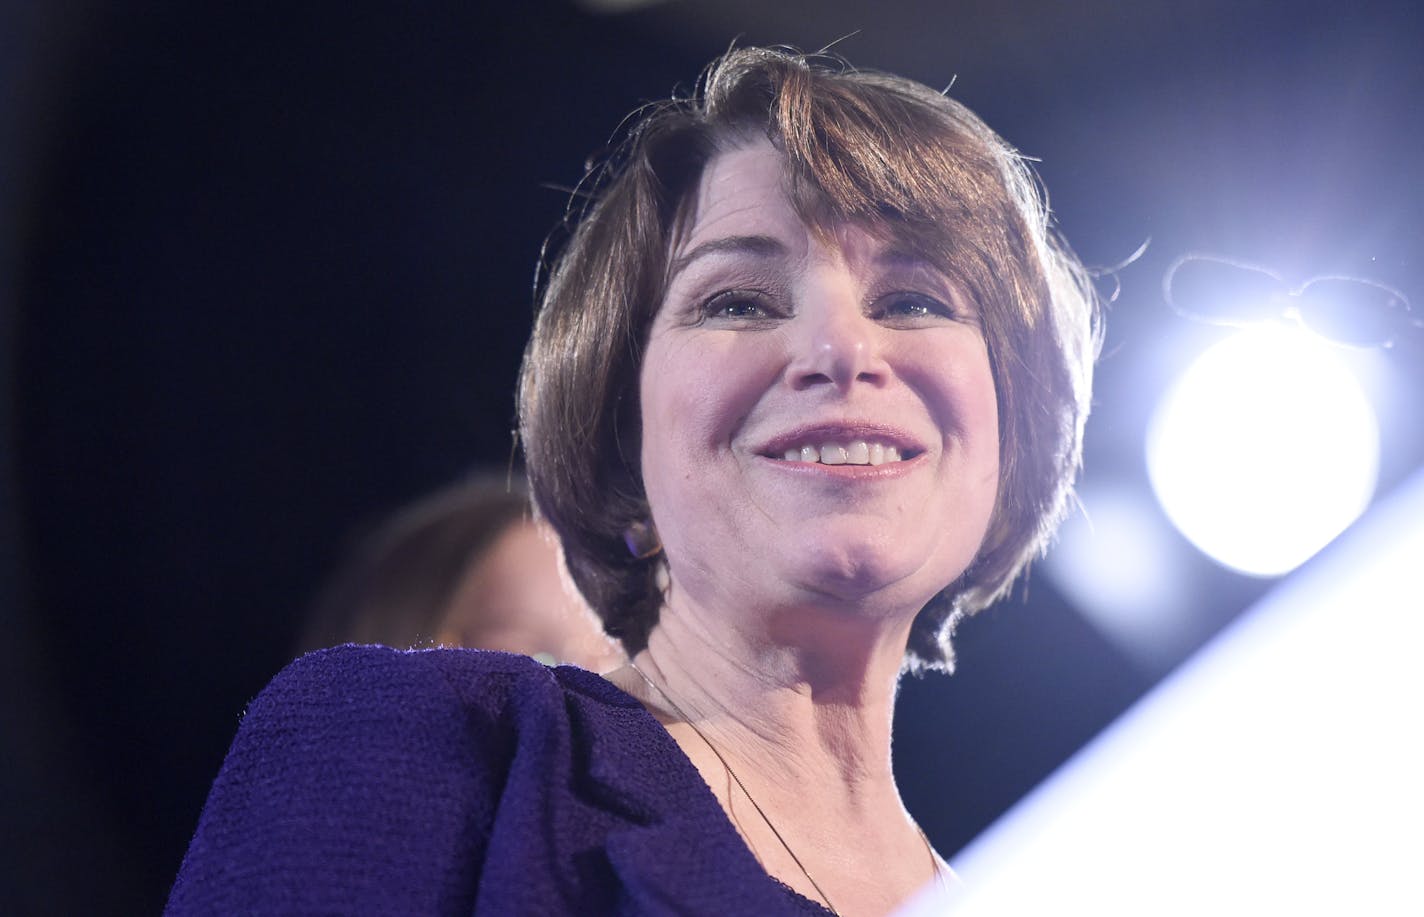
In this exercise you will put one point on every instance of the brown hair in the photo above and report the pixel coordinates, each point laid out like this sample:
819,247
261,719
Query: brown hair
860,146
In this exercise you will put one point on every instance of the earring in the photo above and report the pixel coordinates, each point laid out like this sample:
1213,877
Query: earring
642,540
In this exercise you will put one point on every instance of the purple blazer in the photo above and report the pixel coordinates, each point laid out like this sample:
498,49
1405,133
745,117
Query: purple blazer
366,780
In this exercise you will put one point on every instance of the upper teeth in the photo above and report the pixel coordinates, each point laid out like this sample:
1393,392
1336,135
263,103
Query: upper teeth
859,452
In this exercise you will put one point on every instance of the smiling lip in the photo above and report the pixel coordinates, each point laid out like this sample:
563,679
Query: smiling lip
854,449
865,473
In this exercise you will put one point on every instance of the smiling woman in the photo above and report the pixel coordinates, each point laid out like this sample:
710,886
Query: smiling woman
948,203
807,384
772,340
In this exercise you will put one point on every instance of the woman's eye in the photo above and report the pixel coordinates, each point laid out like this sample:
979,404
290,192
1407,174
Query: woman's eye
737,304
911,306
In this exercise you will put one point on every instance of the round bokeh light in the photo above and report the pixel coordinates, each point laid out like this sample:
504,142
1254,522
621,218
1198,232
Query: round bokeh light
1264,450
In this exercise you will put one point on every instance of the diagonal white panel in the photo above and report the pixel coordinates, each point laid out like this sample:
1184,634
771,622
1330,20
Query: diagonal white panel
1279,772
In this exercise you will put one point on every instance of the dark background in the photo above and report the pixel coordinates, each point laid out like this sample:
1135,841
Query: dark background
266,276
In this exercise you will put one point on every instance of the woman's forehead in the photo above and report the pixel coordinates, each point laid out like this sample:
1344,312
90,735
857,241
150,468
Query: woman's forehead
744,200
740,188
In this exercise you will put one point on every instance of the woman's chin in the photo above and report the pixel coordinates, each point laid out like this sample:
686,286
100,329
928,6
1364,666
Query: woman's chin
870,576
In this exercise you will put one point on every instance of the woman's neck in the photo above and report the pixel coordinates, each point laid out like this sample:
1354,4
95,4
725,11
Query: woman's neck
811,689
794,742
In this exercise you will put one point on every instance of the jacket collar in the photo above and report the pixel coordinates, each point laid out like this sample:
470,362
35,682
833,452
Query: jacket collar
675,851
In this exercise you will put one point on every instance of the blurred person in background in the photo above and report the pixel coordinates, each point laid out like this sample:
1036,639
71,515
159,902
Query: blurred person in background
466,566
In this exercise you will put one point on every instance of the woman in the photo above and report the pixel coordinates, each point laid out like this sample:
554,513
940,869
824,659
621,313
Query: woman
807,385
466,566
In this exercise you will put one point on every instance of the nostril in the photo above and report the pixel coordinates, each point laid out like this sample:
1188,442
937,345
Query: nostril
808,379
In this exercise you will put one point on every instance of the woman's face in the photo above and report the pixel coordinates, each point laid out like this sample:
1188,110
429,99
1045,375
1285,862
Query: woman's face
819,417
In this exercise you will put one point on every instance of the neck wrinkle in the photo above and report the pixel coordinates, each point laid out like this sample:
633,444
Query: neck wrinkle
822,716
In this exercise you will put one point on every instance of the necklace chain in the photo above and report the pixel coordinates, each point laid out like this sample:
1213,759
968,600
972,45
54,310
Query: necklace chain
751,799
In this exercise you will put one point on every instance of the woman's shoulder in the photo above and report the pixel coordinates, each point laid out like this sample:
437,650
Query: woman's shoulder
379,689
357,663
362,779
378,712
358,677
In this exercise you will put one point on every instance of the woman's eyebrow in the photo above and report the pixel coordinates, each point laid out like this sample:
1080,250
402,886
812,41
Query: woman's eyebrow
756,246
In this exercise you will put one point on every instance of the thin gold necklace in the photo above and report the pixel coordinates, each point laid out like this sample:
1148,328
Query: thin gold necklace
751,799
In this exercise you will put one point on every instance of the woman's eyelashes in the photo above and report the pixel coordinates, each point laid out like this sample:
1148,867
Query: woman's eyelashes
900,309
740,306
905,307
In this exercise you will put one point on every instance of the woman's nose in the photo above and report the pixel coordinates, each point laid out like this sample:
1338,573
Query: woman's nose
835,343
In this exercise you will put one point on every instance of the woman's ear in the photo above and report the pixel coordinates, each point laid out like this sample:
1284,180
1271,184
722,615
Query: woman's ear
641,539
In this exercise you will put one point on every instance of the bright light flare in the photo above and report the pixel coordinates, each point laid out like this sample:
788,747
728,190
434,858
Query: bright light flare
1264,450
1119,565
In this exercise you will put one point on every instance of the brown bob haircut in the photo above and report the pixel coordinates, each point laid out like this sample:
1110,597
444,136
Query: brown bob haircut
861,147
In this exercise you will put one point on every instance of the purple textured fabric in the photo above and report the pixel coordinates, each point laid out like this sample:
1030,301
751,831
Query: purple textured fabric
366,780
